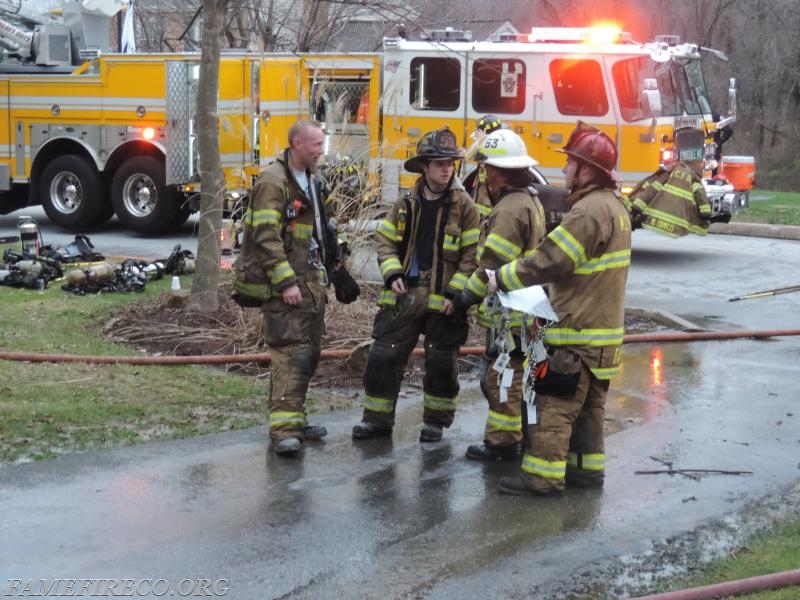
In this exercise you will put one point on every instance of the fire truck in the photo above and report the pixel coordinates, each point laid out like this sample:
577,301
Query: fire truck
87,133
541,83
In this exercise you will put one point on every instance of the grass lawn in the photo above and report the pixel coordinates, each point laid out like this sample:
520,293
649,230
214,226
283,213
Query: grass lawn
772,552
48,409
774,208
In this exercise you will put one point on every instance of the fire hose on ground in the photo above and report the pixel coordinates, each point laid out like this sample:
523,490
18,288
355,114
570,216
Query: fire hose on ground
737,587
263,357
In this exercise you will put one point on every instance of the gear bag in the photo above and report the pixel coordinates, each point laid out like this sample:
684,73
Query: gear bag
562,375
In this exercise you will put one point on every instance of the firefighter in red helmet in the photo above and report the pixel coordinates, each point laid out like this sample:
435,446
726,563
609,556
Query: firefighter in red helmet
585,263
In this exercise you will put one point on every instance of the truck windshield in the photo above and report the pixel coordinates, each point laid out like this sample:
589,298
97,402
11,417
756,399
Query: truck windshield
682,87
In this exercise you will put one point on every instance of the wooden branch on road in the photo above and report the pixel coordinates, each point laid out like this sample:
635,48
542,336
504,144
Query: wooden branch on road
690,473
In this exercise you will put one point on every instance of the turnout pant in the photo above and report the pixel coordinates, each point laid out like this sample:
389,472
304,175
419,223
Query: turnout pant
293,334
566,445
504,422
395,332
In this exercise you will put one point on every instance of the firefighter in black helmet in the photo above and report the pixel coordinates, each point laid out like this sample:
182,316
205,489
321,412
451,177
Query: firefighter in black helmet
488,124
426,249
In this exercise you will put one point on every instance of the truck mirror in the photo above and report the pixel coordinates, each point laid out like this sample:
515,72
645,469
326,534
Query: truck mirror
730,116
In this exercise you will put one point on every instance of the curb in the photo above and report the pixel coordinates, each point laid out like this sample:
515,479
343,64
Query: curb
783,232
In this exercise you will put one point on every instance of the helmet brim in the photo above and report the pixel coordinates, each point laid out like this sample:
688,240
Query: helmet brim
414,164
511,162
610,172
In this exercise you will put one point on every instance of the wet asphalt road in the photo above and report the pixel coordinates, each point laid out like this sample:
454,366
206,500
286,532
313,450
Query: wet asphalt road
397,519
112,239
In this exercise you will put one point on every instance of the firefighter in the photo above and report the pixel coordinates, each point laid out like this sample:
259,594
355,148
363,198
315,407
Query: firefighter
475,181
287,236
426,249
512,230
585,261
673,200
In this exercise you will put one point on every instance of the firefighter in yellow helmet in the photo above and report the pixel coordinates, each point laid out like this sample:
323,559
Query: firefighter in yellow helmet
585,261
426,249
513,228
475,181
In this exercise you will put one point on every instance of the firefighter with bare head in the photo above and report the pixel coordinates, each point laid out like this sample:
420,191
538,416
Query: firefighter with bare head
585,263
513,229
290,250
426,249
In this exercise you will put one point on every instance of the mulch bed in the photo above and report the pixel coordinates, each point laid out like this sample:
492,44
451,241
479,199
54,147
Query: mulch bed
158,329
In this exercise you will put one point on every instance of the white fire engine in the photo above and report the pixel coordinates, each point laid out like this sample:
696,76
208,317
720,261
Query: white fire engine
540,84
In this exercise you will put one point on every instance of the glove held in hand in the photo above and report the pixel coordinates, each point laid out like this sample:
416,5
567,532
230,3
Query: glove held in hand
462,301
345,286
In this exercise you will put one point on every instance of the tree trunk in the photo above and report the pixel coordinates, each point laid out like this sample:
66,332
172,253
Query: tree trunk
205,283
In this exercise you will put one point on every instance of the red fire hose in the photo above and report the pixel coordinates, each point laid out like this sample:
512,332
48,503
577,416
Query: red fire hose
736,587
263,357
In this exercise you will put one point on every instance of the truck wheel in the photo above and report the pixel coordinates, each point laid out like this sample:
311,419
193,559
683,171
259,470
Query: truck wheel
140,197
72,192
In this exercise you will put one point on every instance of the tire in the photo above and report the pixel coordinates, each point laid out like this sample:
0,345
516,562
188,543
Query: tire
72,192
140,197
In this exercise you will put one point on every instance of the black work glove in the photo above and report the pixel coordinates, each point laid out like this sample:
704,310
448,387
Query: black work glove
346,288
462,301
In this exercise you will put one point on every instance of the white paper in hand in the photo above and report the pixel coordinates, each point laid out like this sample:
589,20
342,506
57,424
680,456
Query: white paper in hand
530,300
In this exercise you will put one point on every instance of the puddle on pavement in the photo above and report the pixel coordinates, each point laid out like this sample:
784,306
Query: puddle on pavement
654,378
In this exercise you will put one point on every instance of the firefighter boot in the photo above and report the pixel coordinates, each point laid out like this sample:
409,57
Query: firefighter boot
491,452
431,432
366,430
516,486
287,447
583,479
312,433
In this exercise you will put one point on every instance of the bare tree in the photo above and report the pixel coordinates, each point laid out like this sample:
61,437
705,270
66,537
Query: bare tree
205,283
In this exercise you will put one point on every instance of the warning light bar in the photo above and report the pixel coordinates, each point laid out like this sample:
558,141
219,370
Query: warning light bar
599,34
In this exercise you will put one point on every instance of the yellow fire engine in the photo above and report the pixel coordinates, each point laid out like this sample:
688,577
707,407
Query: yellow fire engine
116,133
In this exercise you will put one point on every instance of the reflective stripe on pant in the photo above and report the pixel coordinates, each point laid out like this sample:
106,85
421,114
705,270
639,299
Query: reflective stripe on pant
396,332
569,430
504,422
293,336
